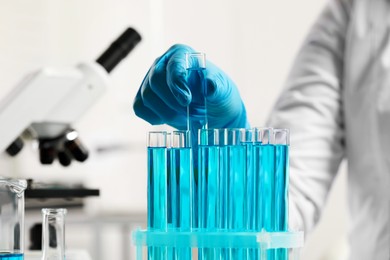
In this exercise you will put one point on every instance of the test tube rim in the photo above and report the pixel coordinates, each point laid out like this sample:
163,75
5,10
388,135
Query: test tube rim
53,211
164,143
183,144
197,54
287,136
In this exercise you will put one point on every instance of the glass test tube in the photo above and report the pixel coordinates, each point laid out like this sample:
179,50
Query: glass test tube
197,109
272,166
247,140
282,142
266,160
157,188
157,181
223,189
196,65
264,167
53,234
255,187
236,180
181,180
236,185
208,199
259,184
181,176
208,166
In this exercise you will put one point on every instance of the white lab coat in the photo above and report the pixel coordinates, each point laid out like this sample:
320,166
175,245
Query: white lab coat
337,105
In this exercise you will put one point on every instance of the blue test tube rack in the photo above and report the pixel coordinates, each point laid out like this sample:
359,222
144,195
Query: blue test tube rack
232,203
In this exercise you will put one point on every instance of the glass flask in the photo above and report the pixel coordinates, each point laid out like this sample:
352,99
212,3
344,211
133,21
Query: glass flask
11,218
53,234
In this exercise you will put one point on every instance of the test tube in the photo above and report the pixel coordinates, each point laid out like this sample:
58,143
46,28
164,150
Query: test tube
264,153
208,189
237,180
224,196
208,167
222,217
267,178
236,185
157,188
282,142
247,140
258,186
197,109
181,179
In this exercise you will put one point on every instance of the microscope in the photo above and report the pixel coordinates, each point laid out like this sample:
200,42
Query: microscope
46,102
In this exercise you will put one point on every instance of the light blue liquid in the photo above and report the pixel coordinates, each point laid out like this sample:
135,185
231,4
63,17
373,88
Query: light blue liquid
198,106
208,187
237,191
222,222
11,256
197,109
181,182
281,187
264,167
250,207
258,220
259,186
157,196
268,173
237,186
157,188
209,200
195,188
267,183
272,165
181,174
281,195
222,219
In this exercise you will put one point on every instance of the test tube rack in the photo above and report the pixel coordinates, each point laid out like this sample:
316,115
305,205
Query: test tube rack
198,240
232,203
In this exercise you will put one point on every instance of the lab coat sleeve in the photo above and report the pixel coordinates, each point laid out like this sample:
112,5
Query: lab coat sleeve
311,107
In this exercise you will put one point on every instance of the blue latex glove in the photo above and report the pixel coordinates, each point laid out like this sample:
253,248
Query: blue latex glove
166,91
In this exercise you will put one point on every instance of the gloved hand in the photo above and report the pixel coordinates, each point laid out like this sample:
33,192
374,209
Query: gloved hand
166,91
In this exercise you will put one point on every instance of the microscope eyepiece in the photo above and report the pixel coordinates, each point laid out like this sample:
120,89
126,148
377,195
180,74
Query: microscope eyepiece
119,49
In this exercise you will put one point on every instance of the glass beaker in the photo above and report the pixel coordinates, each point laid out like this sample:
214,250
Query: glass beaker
53,234
11,218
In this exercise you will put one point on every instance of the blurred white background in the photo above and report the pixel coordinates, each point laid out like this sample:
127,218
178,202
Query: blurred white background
254,41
